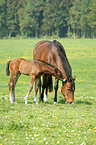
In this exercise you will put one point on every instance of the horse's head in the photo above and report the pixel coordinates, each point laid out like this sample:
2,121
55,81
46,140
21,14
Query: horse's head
68,90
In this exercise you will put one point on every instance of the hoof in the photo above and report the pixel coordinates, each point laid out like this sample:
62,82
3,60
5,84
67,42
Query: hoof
66,102
55,103
35,99
36,103
45,98
40,99
11,102
25,102
15,102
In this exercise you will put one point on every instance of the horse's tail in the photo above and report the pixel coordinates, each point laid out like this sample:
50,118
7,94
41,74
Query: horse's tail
7,68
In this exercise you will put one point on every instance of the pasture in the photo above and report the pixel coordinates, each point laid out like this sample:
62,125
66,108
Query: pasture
48,123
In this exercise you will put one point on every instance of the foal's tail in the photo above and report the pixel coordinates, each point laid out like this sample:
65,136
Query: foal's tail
7,68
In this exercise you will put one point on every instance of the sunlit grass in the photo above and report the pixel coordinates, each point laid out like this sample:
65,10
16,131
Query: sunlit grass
47,123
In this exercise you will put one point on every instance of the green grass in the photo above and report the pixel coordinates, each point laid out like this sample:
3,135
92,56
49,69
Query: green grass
47,123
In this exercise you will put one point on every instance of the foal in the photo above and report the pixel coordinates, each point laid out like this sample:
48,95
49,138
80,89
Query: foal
34,68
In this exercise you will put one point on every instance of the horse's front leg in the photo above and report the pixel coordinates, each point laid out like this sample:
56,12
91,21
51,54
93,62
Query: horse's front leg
45,94
56,89
30,87
44,85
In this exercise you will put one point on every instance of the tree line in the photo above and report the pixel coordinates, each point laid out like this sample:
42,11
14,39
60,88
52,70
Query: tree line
42,18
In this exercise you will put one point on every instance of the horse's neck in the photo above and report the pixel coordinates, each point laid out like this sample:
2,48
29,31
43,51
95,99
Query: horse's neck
59,64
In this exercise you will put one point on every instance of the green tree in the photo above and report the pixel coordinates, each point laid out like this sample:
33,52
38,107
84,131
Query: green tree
32,18
55,13
91,17
12,17
83,18
74,16
3,12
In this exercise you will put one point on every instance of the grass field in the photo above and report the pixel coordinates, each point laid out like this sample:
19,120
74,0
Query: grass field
47,123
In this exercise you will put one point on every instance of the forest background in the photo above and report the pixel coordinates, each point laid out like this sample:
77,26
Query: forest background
48,18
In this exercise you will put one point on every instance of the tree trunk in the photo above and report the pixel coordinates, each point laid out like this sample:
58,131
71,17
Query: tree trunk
36,34
84,34
68,29
9,34
57,33
74,34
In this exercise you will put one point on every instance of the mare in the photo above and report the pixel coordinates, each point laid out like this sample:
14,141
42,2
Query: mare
34,68
54,53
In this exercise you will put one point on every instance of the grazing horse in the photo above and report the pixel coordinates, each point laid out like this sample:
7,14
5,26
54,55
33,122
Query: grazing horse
33,68
54,53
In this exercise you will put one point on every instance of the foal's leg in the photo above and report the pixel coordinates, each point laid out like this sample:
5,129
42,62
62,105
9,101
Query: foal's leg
37,86
30,88
14,84
11,89
56,89
36,90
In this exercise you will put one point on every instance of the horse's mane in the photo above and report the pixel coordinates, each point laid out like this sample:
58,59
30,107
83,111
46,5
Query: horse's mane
63,57
41,42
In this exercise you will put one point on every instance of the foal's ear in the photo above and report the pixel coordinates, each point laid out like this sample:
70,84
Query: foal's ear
74,78
56,70
64,80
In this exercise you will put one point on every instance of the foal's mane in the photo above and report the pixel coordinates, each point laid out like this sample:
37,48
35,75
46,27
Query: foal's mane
46,63
63,57
56,69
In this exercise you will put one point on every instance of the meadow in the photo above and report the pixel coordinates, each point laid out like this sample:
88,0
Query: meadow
48,123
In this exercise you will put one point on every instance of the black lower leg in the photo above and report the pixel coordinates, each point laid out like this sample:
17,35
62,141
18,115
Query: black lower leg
42,95
55,97
56,89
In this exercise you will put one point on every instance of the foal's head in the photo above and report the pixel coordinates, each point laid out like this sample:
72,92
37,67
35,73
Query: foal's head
68,90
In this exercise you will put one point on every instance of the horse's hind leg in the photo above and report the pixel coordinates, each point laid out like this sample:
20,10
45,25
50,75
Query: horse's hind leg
14,84
30,88
11,89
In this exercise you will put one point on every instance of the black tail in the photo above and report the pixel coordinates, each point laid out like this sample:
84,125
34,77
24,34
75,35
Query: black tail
50,84
47,82
7,68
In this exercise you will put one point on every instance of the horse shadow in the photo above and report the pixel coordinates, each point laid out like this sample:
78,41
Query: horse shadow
83,102
62,101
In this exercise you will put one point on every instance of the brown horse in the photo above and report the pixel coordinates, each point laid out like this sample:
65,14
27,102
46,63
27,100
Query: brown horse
54,53
33,68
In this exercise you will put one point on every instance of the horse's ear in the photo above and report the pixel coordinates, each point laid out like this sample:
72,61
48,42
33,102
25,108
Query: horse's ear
69,79
74,78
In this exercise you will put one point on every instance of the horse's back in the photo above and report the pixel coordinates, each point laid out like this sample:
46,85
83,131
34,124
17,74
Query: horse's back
42,51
